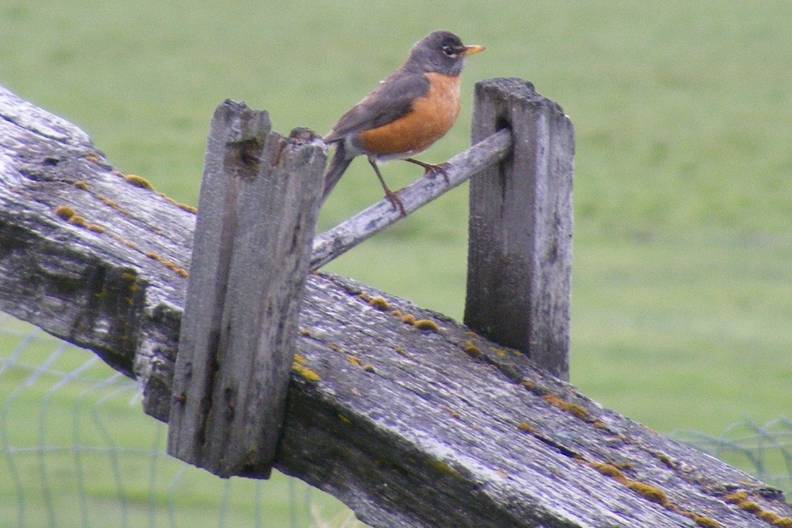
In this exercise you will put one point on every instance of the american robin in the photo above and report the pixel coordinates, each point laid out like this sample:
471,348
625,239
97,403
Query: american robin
409,110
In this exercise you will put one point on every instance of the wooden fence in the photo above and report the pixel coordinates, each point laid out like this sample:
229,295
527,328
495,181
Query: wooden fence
407,416
258,207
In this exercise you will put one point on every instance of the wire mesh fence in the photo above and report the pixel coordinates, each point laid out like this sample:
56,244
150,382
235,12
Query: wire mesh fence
78,452
764,450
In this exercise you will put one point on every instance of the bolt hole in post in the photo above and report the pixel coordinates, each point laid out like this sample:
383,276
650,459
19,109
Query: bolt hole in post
502,122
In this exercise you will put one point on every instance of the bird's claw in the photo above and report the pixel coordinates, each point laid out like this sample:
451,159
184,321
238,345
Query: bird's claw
433,170
396,202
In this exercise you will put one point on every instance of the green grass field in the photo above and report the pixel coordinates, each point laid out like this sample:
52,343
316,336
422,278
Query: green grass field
682,287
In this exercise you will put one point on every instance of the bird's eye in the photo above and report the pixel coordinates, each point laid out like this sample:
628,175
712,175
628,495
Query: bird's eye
449,51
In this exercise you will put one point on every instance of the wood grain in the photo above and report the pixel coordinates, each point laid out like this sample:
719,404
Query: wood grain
520,228
257,213
409,418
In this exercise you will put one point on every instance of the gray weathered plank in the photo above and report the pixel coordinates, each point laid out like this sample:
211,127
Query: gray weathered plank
348,234
258,207
520,230
235,147
409,426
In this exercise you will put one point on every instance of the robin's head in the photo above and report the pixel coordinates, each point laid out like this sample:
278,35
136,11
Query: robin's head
440,52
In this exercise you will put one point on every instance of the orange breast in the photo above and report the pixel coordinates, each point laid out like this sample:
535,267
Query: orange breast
431,117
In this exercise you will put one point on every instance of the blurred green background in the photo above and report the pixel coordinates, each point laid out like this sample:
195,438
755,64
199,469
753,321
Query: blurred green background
682,286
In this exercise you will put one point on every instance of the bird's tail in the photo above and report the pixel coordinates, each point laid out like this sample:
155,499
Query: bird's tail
337,167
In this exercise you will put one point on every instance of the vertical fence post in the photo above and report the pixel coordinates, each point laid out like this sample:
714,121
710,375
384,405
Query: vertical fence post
259,202
520,231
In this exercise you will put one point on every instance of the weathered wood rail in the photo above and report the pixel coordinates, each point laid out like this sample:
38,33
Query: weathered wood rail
407,416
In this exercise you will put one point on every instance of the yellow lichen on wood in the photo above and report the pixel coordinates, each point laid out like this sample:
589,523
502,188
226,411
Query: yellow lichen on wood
299,359
704,522
408,319
128,243
78,220
525,427
168,264
185,207
138,181
572,408
528,384
608,470
471,349
305,373
749,506
426,324
770,517
81,185
379,303
741,500
352,360
64,212
649,492
666,460
737,496
113,205
68,214
181,272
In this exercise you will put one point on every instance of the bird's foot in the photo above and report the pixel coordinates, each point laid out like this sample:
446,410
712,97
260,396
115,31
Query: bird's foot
393,198
431,170
434,170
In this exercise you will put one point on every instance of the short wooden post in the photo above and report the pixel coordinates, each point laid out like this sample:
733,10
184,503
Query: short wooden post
257,212
520,231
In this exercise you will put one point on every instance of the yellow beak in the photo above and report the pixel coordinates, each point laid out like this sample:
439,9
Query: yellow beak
472,50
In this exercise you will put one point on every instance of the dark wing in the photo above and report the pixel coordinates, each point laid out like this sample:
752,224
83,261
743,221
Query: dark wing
389,101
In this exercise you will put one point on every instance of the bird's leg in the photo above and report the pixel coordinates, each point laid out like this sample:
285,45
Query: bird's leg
390,195
430,169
